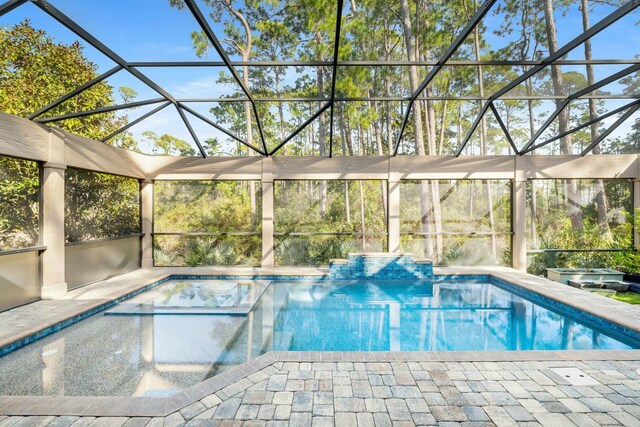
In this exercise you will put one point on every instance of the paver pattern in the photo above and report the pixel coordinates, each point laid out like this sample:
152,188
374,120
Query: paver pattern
378,394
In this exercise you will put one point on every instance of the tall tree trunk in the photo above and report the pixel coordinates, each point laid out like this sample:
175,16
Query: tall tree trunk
247,117
347,207
322,143
280,112
378,132
435,184
348,134
347,203
483,144
524,21
362,226
459,127
443,121
245,51
387,84
533,199
436,207
575,213
601,195
417,124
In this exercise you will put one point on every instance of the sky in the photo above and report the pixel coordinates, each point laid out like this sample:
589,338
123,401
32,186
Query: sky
150,30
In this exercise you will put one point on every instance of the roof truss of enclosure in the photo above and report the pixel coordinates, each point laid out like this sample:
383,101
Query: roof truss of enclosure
490,102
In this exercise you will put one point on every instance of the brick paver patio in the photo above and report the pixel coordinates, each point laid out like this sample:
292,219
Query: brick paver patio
527,393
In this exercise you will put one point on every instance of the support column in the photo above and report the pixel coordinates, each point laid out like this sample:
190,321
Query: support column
268,256
519,216
52,235
393,220
636,210
146,220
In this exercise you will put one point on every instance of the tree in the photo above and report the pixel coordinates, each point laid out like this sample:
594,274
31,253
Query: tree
98,205
18,203
630,144
34,72
168,145
601,200
566,146
417,123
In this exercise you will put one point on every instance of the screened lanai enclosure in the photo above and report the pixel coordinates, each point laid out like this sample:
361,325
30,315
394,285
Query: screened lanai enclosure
288,133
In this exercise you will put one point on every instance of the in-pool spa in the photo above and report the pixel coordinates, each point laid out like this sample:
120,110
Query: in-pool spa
183,332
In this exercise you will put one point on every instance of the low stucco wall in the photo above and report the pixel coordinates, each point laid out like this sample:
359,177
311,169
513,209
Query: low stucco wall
19,279
88,262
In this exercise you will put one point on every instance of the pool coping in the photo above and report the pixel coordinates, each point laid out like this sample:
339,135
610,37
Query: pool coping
617,312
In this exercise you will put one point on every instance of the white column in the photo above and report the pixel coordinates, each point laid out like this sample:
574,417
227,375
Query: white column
146,218
268,257
519,216
52,231
393,220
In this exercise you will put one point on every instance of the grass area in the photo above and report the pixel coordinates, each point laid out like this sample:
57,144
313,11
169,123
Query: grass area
628,297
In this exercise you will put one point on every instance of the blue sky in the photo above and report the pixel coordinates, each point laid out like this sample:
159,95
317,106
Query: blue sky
150,30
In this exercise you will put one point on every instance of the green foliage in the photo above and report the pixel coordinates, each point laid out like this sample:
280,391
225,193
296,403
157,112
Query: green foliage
628,297
627,261
211,251
469,251
322,251
206,250
168,145
292,251
207,207
35,71
313,250
99,205
464,208
19,203
327,207
554,229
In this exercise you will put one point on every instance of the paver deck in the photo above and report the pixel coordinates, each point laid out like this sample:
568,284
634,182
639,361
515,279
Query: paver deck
403,393
364,389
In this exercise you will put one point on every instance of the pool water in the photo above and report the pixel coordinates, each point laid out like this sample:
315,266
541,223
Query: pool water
159,354
425,316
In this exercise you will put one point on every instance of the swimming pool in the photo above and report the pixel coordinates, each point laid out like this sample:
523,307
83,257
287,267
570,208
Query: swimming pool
147,354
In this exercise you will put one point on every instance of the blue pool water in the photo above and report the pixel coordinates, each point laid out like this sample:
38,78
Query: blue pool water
152,352
425,316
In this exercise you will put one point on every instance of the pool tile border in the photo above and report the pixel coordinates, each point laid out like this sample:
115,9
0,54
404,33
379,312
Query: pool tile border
164,406
613,329
625,318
